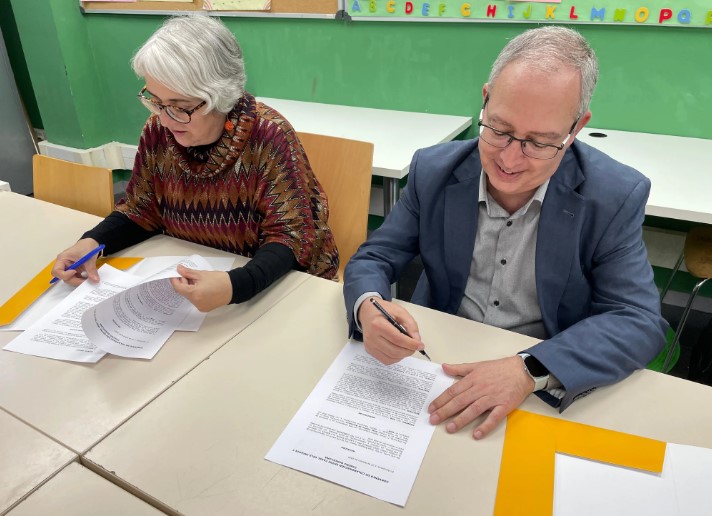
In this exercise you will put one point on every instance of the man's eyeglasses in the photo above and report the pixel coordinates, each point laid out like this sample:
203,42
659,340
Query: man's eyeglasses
530,148
178,114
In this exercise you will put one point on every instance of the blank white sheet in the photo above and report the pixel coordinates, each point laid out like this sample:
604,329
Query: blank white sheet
586,488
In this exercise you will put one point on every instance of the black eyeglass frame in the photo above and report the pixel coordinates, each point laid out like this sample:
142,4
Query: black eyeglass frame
160,106
523,141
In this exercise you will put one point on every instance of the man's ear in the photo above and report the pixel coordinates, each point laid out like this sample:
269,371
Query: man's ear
580,125
485,91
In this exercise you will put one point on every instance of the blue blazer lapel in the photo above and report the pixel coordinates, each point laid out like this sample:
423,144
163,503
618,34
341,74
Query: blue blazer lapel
558,238
460,221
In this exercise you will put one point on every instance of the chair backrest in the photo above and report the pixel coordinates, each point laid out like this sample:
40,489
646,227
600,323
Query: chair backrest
343,167
80,187
698,252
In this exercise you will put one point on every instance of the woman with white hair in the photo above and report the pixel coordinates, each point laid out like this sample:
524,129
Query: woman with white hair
216,167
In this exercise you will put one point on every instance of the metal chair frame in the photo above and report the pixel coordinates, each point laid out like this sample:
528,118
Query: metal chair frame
688,306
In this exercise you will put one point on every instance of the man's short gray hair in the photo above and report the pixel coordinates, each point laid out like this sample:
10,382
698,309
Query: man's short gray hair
549,49
196,56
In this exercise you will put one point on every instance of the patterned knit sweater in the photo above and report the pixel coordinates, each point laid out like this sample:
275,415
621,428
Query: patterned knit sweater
252,187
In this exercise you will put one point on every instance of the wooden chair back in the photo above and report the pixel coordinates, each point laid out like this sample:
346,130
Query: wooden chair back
80,187
343,167
698,252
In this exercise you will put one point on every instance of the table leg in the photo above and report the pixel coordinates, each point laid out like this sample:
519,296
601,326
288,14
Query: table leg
391,193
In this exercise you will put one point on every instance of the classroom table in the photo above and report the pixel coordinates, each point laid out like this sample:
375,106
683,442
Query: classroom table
79,404
77,491
27,459
395,135
199,447
679,168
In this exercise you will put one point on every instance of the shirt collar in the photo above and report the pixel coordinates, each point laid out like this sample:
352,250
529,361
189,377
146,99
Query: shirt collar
495,210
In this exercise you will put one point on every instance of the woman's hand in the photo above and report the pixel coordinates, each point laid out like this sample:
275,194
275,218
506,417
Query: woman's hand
207,290
70,256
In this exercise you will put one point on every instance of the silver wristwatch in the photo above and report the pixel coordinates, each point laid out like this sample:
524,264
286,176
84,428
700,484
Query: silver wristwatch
536,371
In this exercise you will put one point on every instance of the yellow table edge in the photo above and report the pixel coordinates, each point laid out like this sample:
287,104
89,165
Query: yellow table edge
38,285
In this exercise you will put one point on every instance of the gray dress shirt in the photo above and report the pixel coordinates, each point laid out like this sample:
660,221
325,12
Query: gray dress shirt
501,288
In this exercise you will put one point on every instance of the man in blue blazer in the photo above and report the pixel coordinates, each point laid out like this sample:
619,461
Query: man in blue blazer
526,229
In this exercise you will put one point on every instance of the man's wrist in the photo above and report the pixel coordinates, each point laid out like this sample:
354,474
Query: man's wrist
357,307
535,370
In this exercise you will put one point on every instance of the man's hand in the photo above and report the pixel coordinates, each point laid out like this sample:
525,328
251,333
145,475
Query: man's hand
381,339
207,290
498,386
69,256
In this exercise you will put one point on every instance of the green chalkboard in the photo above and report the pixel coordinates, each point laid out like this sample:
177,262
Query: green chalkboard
651,80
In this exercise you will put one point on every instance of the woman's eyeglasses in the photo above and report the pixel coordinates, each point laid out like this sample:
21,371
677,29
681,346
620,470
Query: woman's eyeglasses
179,114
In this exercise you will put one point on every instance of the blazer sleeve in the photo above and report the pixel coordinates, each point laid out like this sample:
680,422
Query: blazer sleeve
624,330
383,257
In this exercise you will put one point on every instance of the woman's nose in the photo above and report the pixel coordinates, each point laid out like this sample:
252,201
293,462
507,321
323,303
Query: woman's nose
166,121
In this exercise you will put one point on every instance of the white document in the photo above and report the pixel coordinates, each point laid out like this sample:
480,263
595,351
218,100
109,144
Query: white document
150,266
127,315
365,425
145,268
137,322
59,334
41,307
584,487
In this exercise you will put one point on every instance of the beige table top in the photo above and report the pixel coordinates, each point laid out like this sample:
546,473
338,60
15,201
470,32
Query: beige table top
77,491
199,447
27,459
79,404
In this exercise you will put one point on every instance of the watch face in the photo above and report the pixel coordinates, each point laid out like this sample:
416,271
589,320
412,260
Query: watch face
535,368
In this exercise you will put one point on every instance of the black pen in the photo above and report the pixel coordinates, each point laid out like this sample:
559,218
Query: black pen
395,323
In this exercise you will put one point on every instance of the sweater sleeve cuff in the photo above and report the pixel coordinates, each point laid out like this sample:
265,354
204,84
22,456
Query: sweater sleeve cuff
271,262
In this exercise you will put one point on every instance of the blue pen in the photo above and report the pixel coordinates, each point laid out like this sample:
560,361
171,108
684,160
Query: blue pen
80,261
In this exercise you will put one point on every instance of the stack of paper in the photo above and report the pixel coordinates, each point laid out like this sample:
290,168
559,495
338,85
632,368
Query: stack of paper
126,314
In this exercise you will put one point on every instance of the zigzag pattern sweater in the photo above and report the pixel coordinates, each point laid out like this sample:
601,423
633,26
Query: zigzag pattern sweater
251,188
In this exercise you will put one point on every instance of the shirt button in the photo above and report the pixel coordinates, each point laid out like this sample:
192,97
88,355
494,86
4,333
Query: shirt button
496,303
503,261
509,223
